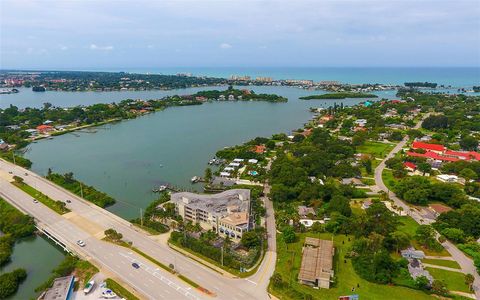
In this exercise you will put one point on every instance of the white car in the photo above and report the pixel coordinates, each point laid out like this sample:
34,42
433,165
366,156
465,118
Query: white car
35,201
81,243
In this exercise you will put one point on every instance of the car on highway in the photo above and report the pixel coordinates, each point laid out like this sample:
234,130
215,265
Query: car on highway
81,243
35,201
68,201
135,265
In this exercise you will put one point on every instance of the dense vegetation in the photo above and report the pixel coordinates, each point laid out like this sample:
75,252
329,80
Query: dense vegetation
14,225
89,193
340,95
86,81
420,190
243,95
421,84
9,282
154,218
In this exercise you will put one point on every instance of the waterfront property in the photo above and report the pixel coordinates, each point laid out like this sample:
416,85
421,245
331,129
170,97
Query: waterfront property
226,213
317,263
62,289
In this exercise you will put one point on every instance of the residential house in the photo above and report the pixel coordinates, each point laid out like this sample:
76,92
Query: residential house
44,129
304,211
412,253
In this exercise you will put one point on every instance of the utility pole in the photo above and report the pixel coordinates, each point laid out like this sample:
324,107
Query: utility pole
222,256
81,189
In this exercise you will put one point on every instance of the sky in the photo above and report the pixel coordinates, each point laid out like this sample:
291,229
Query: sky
113,34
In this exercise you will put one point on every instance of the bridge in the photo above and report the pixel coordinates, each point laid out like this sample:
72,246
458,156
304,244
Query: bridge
87,222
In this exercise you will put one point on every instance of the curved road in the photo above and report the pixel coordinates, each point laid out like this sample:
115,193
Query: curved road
465,262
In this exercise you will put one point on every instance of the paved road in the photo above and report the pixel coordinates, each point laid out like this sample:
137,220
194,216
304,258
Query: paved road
465,263
94,220
147,280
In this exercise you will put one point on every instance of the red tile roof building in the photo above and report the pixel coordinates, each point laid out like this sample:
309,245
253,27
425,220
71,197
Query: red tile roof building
259,149
410,166
44,128
427,146
440,152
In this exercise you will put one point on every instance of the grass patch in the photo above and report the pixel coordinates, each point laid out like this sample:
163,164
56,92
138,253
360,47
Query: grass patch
376,149
190,282
57,206
442,262
409,225
453,280
84,271
388,179
120,290
289,258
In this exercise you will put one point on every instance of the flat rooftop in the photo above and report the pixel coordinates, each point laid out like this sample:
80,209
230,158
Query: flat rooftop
60,289
217,204
317,260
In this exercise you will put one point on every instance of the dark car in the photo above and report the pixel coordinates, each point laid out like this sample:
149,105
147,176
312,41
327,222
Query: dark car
68,201
135,265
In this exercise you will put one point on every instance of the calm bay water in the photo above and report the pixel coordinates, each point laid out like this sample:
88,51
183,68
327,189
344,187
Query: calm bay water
39,257
127,159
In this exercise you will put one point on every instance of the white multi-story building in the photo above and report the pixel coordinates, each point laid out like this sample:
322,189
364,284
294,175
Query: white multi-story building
227,213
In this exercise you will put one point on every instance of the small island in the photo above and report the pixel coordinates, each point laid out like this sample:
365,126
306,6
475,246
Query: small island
232,94
340,95
421,84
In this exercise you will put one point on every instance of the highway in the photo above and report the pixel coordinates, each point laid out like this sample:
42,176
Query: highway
87,221
465,262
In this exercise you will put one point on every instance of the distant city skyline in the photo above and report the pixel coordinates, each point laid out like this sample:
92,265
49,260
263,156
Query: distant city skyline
101,35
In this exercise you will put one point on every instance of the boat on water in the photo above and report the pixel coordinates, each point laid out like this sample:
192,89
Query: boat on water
89,287
195,179
161,188
108,294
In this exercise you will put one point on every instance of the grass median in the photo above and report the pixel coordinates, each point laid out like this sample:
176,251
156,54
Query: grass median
57,206
120,290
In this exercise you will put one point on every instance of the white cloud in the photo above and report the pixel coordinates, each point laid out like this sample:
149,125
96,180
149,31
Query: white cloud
103,48
63,47
225,46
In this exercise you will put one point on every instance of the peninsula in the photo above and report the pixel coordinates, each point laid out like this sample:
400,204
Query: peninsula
340,95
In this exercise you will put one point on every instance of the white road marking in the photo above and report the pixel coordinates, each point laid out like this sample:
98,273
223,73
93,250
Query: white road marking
251,281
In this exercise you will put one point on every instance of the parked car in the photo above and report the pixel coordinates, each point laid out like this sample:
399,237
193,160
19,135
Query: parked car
35,201
68,201
135,265
81,243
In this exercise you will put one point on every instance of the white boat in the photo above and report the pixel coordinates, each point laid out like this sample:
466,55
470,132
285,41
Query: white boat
89,286
194,179
108,294
162,188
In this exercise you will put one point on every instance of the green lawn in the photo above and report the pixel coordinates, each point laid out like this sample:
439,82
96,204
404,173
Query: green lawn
442,262
409,226
388,178
57,206
288,264
376,149
454,281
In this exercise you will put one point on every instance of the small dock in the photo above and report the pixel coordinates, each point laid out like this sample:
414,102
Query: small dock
169,188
